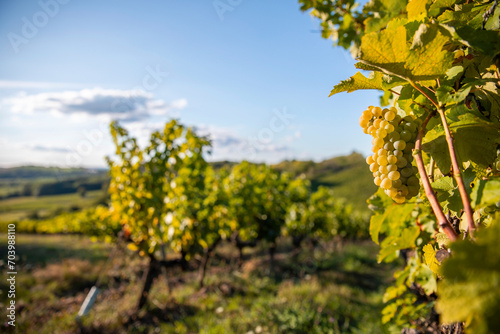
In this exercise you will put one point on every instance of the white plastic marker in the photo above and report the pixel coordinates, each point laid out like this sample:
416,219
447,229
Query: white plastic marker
88,302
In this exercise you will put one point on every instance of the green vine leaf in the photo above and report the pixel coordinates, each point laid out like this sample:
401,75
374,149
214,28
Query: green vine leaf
485,193
424,276
391,244
402,211
485,41
475,140
439,6
471,290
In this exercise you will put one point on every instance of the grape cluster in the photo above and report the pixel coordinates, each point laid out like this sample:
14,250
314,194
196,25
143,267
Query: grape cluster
393,142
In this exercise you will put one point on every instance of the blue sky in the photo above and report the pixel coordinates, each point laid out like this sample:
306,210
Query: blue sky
254,75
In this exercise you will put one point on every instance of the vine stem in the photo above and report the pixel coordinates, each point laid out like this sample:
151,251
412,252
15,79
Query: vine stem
454,162
431,169
424,93
458,175
436,208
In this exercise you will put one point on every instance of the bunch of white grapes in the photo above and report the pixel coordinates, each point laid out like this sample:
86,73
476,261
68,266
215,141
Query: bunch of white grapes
393,141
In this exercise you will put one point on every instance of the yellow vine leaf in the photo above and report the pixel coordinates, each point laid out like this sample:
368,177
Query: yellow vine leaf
430,258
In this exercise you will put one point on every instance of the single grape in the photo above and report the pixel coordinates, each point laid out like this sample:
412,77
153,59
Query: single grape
389,128
381,133
412,181
392,191
399,199
369,160
394,137
406,172
363,122
392,167
402,162
374,167
397,183
394,175
388,146
390,115
398,153
392,159
377,181
367,114
413,190
386,183
382,160
400,145
379,142
377,111
403,190
405,135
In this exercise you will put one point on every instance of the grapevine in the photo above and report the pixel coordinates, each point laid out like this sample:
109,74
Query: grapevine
437,64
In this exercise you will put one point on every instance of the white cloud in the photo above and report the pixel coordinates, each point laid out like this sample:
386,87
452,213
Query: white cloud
227,145
45,148
125,105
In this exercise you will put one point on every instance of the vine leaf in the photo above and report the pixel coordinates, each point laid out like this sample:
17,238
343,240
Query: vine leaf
417,9
391,244
424,276
471,290
359,81
439,5
485,193
429,59
475,140
390,52
386,49
442,240
388,217
430,258
485,41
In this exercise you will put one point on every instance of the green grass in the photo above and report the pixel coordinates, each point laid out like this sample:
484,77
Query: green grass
354,184
36,250
18,208
326,290
348,176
